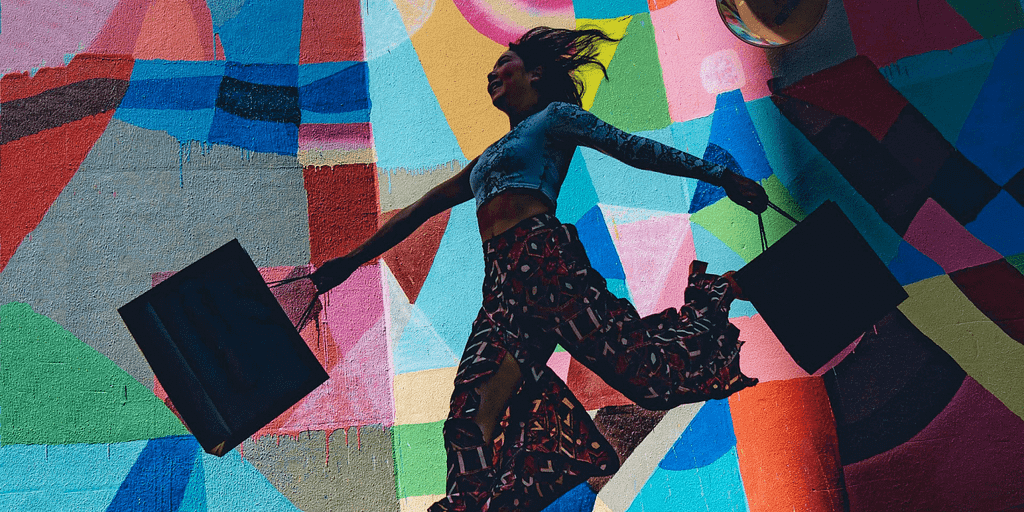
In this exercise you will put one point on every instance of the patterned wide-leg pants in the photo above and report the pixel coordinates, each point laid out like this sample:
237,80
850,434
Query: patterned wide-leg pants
539,291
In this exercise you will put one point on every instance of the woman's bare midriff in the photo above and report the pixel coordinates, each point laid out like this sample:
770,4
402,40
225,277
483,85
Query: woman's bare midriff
507,209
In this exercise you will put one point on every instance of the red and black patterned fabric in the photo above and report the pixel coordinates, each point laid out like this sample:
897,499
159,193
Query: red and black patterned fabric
539,290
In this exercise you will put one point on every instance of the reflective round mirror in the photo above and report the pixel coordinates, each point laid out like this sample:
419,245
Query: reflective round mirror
771,23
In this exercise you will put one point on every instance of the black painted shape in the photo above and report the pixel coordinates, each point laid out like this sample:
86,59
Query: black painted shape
259,102
918,146
1015,187
962,189
58,106
820,286
222,347
889,388
877,175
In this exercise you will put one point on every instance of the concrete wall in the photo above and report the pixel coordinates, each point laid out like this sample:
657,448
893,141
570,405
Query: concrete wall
139,135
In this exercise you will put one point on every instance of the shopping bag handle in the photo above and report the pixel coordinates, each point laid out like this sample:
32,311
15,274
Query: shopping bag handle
760,224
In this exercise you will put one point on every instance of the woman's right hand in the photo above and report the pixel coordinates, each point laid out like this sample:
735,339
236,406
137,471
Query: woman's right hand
332,273
745,192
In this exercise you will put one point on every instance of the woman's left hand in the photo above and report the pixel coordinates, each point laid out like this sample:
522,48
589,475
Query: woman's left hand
745,192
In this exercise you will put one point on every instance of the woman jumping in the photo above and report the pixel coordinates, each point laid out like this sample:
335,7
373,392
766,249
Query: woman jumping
516,436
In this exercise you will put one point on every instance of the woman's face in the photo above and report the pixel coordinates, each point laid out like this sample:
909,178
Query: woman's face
510,85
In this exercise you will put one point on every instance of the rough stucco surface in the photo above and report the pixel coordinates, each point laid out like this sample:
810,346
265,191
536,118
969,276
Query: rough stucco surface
136,136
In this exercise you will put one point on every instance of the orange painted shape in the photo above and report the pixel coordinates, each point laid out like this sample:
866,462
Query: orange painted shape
343,208
332,30
411,259
456,59
169,32
787,446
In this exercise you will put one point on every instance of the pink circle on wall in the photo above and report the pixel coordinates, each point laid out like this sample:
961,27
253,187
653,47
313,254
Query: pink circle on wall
503,21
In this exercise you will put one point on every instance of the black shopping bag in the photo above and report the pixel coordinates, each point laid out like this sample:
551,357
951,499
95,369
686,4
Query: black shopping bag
820,286
223,348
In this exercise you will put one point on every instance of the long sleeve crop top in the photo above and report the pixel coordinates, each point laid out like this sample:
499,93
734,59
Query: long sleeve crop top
536,153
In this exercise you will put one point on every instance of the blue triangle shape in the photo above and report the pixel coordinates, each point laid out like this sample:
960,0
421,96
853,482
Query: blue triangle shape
159,477
910,266
598,242
706,439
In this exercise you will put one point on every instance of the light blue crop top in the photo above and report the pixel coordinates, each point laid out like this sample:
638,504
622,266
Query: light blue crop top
536,153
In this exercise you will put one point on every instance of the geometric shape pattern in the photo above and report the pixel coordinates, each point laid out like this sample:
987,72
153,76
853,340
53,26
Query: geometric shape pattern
943,313
160,476
991,134
892,386
1015,187
997,17
55,389
625,427
411,259
608,9
998,225
888,30
962,189
708,437
349,469
413,405
788,452
419,459
969,457
997,289
940,237
592,76
633,99
260,32
258,108
331,31
599,245
910,266
695,47
716,486
55,114
343,208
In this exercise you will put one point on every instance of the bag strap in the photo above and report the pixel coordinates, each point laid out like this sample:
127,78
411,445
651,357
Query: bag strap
760,224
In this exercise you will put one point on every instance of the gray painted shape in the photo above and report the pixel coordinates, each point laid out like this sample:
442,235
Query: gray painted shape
124,216
357,475
830,43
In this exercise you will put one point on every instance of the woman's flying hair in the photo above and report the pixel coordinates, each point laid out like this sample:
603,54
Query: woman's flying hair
560,52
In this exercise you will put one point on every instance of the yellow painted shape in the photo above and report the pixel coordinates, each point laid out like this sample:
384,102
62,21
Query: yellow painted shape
320,157
943,313
591,75
423,396
456,59
414,13
599,505
418,503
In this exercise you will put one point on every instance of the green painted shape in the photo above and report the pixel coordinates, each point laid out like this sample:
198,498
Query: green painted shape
735,226
419,459
990,17
634,98
54,389
1017,261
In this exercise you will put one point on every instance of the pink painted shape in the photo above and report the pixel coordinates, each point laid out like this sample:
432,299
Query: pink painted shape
34,33
121,32
970,457
350,341
939,236
497,19
649,251
888,30
335,136
673,292
687,33
559,363
763,356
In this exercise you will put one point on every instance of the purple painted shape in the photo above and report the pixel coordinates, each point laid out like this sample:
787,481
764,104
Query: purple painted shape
939,236
970,457
335,136
37,34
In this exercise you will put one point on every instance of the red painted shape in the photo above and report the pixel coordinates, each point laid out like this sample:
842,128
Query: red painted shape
121,32
592,391
332,30
970,457
888,30
997,289
787,446
36,168
853,89
85,66
343,208
410,260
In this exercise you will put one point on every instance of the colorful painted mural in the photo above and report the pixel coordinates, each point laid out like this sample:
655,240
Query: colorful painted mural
138,135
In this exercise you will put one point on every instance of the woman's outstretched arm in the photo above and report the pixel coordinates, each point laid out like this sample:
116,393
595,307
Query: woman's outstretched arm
585,129
453,191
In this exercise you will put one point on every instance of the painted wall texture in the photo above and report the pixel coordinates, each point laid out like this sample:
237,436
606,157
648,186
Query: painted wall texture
138,135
